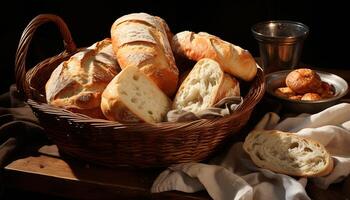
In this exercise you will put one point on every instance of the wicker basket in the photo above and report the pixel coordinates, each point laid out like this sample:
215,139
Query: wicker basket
111,143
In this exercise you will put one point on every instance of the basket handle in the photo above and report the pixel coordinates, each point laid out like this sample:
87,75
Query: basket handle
26,38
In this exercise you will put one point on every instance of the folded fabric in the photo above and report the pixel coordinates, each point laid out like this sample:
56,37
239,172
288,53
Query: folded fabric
234,176
224,107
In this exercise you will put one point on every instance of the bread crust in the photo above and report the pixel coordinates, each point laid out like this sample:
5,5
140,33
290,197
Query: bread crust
259,140
141,40
233,59
229,87
77,84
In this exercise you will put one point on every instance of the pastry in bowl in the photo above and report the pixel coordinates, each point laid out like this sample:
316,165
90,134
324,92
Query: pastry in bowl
304,80
311,97
306,85
331,91
285,92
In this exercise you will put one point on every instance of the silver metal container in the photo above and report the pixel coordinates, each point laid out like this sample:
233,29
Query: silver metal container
277,79
280,43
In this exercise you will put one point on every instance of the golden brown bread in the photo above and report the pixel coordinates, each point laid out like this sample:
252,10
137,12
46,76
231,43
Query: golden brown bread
303,81
77,84
133,97
233,59
288,153
141,40
204,86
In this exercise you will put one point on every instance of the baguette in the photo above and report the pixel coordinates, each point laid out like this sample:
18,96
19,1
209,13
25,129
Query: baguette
141,40
77,84
132,97
233,59
288,153
205,85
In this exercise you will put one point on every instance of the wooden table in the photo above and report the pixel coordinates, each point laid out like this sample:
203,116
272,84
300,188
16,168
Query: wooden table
43,174
47,173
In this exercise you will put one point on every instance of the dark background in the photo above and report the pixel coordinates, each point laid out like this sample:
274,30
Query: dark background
90,21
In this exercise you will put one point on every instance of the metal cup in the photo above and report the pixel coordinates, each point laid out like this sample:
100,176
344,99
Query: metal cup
280,43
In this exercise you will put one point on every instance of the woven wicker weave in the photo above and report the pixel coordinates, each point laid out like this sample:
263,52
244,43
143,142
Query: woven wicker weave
111,143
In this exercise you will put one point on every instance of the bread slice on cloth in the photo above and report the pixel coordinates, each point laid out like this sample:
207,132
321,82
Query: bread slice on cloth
288,153
204,86
133,97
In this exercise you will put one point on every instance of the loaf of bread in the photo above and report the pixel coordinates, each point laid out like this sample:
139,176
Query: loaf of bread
233,59
77,84
133,97
288,153
204,86
141,40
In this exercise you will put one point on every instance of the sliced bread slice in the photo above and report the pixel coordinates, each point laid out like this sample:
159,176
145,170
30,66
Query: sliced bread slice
288,153
133,97
204,86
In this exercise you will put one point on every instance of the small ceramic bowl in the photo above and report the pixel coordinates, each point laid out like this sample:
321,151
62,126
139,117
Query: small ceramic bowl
277,79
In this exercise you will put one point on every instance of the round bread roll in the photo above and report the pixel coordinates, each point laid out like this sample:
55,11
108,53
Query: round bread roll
77,84
303,81
288,153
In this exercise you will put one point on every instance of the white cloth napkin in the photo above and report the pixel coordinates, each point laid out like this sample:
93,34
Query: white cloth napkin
234,176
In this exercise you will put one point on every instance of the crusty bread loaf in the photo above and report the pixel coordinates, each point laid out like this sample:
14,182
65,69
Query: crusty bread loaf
133,97
288,153
204,86
233,59
77,84
141,40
